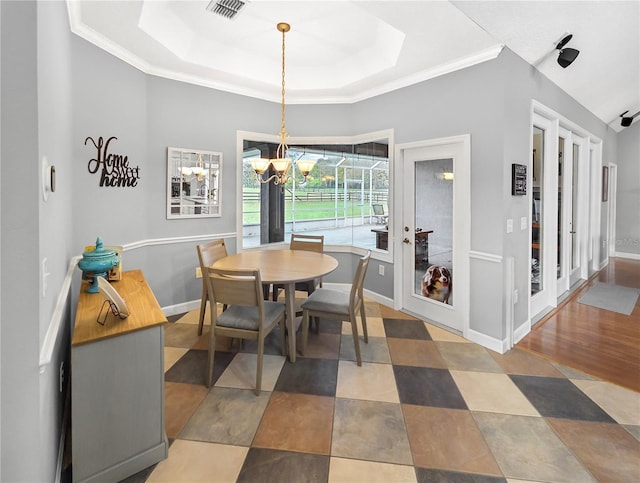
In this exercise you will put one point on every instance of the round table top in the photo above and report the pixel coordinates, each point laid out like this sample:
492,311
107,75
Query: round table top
281,266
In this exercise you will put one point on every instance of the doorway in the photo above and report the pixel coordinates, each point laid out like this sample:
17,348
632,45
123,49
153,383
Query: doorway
434,243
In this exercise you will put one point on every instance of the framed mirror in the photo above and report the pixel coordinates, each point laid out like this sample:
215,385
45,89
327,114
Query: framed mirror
193,183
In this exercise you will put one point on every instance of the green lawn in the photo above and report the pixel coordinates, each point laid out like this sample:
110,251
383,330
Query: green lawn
305,210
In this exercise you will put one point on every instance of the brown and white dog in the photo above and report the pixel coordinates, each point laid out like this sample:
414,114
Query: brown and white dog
436,283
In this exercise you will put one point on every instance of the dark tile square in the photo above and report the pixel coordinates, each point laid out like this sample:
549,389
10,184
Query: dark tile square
275,466
272,345
176,317
426,386
309,376
406,329
559,398
192,367
431,475
328,326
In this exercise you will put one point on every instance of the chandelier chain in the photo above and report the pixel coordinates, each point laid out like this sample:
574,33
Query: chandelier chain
282,148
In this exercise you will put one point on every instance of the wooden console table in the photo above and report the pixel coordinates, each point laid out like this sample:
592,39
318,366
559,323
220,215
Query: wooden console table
421,244
117,390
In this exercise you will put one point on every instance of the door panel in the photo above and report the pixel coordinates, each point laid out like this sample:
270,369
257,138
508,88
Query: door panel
434,235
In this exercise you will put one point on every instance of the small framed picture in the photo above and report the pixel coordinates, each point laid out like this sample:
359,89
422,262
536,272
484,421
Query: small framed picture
605,183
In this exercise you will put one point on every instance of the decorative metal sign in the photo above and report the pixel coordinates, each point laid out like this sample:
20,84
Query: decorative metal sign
116,171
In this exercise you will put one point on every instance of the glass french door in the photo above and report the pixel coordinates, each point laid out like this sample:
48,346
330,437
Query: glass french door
574,222
434,232
544,215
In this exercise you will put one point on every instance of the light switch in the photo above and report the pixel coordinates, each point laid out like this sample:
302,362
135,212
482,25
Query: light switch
509,225
523,223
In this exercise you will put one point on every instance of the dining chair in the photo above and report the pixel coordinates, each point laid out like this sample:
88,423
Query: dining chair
208,254
248,315
311,243
339,305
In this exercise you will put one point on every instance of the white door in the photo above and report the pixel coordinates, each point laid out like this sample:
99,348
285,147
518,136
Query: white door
544,215
433,237
565,165
576,213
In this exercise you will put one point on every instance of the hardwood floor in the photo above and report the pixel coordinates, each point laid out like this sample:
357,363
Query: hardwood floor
598,342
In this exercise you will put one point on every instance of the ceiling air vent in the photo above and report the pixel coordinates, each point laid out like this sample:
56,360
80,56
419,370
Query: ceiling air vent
226,8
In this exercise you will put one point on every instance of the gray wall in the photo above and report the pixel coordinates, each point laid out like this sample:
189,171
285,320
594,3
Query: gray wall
628,199
56,89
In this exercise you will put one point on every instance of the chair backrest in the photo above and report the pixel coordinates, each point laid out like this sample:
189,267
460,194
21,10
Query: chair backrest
235,287
378,210
357,287
310,243
211,252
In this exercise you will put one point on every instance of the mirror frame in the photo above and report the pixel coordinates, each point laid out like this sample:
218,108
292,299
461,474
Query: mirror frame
193,166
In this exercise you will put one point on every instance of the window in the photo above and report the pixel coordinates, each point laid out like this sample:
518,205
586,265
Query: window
336,200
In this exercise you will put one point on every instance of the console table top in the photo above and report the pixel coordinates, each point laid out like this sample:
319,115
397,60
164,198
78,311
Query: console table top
144,310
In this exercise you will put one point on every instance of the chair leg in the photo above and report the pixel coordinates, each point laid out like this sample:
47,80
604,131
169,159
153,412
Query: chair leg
356,342
283,343
364,324
203,308
212,353
305,331
259,368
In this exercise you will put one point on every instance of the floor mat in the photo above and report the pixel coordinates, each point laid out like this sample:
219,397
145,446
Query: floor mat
611,297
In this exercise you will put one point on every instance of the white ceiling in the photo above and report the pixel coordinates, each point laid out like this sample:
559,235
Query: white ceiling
345,51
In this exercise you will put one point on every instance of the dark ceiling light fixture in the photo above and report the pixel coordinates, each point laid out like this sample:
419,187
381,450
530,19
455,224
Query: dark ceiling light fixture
226,8
627,120
566,55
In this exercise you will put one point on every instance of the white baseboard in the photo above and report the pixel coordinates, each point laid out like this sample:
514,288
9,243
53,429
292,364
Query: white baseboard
181,308
521,331
630,256
496,345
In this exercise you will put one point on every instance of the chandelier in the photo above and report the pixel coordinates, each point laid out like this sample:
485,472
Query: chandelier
281,163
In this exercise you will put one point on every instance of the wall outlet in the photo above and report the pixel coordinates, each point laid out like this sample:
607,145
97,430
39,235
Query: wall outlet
523,223
515,296
381,270
510,225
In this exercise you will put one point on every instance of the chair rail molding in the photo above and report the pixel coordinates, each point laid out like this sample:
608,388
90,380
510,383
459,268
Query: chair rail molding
53,330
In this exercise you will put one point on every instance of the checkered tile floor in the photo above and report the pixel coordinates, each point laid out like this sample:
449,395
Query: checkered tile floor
425,405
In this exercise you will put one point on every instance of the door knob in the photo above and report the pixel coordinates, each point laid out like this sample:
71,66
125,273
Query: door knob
407,241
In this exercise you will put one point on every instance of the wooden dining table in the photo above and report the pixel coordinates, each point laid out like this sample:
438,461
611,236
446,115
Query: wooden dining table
286,268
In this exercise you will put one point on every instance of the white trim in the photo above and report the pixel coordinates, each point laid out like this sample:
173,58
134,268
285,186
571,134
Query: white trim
174,240
487,257
629,256
79,28
181,308
46,351
521,331
385,256
486,341
459,147
612,212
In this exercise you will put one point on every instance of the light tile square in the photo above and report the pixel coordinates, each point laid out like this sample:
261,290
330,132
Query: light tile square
444,335
370,430
342,470
375,327
197,461
528,449
621,404
241,372
494,393
467,357
376,350
372,382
